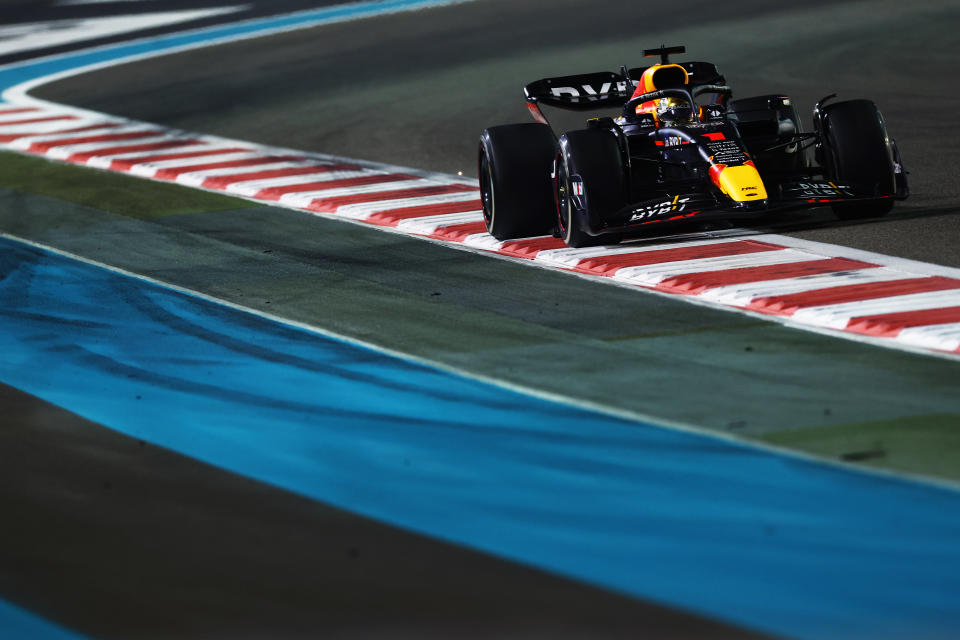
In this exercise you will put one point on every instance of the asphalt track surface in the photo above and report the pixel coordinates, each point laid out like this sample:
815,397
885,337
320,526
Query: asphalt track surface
415,90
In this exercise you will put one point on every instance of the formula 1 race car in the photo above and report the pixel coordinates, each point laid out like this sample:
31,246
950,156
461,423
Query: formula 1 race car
679,150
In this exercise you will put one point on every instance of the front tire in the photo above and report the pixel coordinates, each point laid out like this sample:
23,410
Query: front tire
589,185
516,190
857,151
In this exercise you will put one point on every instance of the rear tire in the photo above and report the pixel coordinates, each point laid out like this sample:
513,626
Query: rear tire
856,151
591,158
516,189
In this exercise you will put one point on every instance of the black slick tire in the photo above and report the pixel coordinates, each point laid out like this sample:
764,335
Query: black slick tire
857,152
589,184
516,189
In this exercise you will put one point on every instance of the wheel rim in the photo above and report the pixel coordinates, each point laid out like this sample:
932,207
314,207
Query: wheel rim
486,189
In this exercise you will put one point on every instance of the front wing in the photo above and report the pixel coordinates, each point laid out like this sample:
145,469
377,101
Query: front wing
699,205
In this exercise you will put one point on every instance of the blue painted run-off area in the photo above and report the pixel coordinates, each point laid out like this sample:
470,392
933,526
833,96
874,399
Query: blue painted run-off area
17,624
763,540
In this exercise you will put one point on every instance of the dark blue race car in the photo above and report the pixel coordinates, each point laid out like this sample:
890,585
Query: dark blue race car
681,149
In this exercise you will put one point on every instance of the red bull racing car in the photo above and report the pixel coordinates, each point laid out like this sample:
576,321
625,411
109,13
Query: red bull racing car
680,150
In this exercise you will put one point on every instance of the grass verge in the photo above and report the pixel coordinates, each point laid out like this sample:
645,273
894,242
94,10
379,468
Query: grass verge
927,445
121,194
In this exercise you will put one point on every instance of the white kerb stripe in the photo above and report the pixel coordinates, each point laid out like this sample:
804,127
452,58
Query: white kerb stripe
362,210
483,241
41,127
62,153
572,257
655,273
252,187
104,162
429,224
569,258
838,315
933,336
10,108
66,129
196,145
744,294
34,115
26,142
276,161
305,198
196,178
149,169
95,160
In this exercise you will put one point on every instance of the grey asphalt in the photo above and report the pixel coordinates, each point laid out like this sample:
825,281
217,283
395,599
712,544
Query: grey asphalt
416,90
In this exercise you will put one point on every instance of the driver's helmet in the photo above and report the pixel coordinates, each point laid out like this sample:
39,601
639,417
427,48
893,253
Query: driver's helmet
659,76
672,110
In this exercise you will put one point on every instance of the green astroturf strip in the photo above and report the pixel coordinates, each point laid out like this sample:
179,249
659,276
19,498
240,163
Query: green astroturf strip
121,194
928,445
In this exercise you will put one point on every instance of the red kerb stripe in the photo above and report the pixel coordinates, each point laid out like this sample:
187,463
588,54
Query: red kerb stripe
153,146
609,265
9,137
64,142
789,304
222,182
891,324
171,173
392,217
4,112
695,283
530,248
7,123
125,164
275,193
458,232
330,205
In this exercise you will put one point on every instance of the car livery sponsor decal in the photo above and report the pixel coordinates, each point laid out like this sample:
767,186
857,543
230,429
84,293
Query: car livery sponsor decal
588,91
657,209
727,152
817,190
674,141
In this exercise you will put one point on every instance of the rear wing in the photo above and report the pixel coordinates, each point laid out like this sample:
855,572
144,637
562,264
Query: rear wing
584,92
603,89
